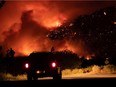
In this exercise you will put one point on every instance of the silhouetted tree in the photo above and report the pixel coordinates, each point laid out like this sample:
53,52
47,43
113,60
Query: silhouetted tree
1,52
52,49
10,53
2,2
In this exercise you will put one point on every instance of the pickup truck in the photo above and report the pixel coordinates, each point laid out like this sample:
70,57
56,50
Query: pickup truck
42,64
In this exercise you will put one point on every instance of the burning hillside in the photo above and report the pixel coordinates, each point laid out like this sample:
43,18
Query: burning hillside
26,25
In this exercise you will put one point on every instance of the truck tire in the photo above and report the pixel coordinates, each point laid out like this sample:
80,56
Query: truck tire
57,77
29,77
35,77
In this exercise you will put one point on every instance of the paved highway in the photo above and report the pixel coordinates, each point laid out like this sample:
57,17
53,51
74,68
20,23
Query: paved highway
96,80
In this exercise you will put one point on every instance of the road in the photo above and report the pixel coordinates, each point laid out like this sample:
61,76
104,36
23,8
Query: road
77,81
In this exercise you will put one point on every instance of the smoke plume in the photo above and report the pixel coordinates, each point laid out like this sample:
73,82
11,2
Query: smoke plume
25,24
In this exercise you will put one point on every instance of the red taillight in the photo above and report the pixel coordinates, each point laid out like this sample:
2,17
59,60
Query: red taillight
53,64
26,65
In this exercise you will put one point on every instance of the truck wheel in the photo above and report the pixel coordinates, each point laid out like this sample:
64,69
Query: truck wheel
57,77
35,78
29,77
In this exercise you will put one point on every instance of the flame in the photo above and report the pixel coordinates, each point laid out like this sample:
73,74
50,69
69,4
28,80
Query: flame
114,22
89,56
26,51
67,46
52,23
26,47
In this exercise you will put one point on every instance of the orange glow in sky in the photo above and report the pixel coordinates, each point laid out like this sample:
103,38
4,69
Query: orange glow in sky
24,25
51,23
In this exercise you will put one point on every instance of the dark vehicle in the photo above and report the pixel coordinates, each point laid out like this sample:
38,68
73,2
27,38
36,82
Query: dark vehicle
42,64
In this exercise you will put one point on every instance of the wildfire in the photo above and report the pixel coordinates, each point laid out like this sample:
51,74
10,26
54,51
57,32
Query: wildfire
88,57
26,51
67,46
115,22
51,23
26,48
44,15
30,36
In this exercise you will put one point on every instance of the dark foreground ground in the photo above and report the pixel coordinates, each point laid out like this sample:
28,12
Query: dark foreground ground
88,82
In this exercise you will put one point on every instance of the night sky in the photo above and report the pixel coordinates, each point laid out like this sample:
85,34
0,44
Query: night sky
84,27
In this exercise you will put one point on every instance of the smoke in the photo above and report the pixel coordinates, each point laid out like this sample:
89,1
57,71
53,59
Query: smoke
25,24
29,37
